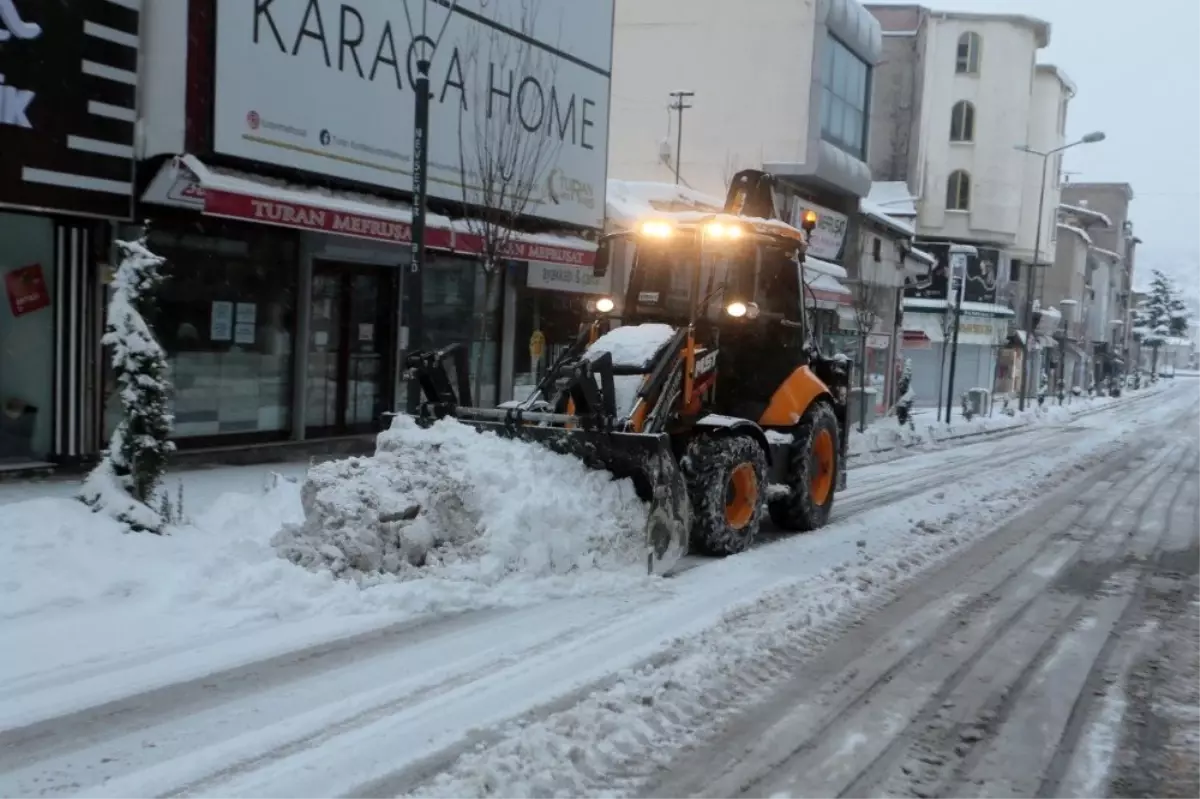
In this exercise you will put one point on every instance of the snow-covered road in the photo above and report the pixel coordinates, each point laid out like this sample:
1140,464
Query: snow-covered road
605,693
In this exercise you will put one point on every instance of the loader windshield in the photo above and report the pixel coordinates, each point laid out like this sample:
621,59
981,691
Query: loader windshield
669,278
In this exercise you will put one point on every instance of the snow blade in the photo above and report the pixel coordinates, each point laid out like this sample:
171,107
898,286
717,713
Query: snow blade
645,458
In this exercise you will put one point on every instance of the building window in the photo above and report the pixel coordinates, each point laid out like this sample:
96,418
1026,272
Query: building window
967,60
958,191
962,122
845,88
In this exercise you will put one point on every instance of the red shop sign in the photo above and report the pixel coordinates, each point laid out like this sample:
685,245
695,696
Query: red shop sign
312,217
26,290
521,250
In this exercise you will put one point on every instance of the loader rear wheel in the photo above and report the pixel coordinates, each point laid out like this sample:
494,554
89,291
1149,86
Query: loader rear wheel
726,479
812,471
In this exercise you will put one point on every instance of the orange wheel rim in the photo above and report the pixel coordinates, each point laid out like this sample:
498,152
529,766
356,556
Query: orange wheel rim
741,496
821,483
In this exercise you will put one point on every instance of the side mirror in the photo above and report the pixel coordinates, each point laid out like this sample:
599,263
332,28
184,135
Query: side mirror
603,254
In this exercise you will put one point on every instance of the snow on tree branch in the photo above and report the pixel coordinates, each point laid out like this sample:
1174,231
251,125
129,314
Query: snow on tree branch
123,484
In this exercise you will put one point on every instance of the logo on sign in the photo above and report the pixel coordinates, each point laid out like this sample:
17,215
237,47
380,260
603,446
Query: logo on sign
15,101
560,187
12,25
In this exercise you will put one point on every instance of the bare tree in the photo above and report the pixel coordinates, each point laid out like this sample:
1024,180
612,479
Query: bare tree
507,146
865,297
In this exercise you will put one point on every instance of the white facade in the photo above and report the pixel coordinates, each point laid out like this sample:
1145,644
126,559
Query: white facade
1013,102
735,122
755,70
1052,91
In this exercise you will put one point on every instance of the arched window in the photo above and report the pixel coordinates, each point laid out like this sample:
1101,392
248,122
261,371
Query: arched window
962,122
967,60
958,191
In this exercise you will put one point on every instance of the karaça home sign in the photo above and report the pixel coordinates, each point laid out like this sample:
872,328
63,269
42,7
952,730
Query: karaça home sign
326,86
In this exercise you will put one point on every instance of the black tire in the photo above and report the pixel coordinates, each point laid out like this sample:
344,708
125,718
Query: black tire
709,467
797,510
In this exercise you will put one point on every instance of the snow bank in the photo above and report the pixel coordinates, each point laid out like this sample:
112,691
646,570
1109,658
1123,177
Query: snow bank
449,502
886,435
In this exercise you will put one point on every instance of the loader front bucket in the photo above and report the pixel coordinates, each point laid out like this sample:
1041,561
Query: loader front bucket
644,458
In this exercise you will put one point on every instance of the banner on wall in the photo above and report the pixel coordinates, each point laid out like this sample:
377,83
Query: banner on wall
27,291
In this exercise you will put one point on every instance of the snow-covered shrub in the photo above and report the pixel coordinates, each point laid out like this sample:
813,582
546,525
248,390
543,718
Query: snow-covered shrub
968,407
448,500
124,483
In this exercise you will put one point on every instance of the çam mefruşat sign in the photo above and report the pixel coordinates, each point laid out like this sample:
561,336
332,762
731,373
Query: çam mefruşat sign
325,86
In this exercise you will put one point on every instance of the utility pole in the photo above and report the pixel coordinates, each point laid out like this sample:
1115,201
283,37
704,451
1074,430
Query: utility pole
679,106
1090,138
424,48
958,277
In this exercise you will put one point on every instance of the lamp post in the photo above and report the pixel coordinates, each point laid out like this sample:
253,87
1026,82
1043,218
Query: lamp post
1091,138
956,288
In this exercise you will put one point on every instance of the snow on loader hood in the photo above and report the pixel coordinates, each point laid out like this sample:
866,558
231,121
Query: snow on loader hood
450,502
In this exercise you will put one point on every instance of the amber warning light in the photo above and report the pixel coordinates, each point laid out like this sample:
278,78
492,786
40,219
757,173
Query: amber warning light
809,220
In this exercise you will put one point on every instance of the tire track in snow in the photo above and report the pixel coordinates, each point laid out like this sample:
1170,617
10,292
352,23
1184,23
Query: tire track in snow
510,766
830,765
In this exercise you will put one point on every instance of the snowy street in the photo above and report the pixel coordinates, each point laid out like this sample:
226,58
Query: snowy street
1009,615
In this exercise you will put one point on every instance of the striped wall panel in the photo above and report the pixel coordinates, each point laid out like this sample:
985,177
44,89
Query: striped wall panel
76,342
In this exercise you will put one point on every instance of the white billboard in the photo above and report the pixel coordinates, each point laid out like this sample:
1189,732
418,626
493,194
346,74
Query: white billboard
325,86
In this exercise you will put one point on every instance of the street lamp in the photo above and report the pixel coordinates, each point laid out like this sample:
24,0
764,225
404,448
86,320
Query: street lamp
1091,138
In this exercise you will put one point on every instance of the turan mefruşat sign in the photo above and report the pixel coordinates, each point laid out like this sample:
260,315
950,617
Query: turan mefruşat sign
68,90
325,86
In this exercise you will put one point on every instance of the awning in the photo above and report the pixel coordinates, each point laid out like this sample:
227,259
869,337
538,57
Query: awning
233,195
827,292
915,340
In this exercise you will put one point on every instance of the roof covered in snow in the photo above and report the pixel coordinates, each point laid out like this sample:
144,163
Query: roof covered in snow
919,304
881,215
1078,231
1086,216
1114,256
893,198
631,200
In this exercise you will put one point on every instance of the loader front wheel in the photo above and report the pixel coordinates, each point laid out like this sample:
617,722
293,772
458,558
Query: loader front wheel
812,471
726,479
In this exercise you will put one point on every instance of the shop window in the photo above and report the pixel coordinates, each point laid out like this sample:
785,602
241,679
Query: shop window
226,316
547,322
456,310
26,337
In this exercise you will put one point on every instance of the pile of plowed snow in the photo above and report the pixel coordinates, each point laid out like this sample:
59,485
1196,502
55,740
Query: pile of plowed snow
447,501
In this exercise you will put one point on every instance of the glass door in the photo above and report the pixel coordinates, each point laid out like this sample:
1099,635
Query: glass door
350,363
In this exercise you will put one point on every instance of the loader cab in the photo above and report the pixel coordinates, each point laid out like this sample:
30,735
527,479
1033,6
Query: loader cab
718,272
737,281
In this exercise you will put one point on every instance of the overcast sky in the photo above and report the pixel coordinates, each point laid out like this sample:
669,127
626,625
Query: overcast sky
1137,70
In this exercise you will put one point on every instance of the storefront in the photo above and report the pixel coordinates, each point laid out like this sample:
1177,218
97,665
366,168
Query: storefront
66,139
283,312
927,339
282,187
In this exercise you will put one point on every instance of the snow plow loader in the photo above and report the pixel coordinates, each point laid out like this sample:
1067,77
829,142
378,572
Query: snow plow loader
711,395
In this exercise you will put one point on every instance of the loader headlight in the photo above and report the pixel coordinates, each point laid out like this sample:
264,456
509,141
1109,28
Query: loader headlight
657,229
723,231
604,305
738,309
